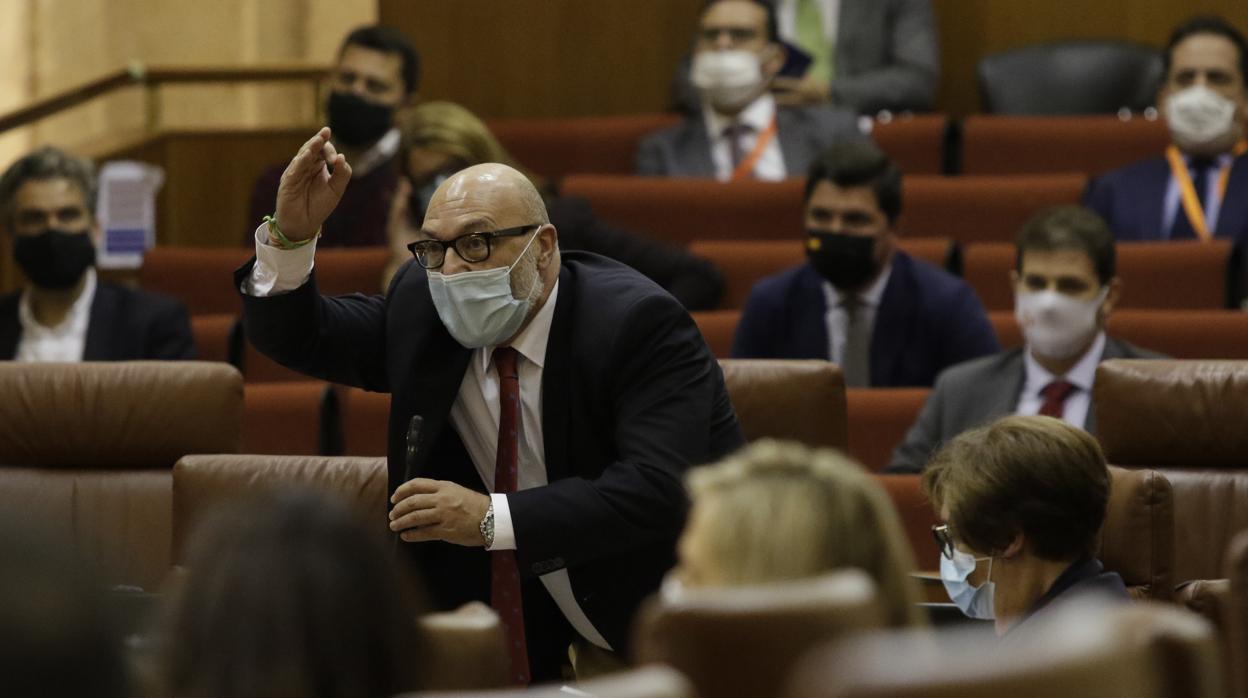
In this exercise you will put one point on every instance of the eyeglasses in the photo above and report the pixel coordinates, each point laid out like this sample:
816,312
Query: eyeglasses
944,539
471,247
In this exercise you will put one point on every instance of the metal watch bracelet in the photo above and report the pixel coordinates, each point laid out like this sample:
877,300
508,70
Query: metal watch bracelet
487,526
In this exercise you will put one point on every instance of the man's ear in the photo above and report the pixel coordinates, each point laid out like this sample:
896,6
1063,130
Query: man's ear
773,59
1111,298
548,239
1015,547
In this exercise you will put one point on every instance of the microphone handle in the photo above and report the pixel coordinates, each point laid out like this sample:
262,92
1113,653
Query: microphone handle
414,434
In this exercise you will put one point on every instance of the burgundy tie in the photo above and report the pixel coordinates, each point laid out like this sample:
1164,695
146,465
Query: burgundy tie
504,571
1055,395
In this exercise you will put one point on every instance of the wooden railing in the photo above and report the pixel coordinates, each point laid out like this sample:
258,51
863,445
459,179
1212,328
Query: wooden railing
151,78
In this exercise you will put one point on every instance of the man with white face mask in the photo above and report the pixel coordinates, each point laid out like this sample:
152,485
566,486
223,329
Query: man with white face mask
1197,189
1064,289
563,396
740,132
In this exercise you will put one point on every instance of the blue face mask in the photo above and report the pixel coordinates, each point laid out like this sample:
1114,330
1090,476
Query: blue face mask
975,601
478,307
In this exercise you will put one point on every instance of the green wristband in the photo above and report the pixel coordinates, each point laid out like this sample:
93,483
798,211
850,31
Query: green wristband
283,242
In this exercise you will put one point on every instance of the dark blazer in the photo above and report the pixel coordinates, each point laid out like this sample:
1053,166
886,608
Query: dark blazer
694,281
684,150
1084,577
632,397
975,393
928,319
1132,200
126,325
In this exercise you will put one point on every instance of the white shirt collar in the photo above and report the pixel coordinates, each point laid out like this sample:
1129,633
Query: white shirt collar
75,322
757,116
381,151
1082,375
531,342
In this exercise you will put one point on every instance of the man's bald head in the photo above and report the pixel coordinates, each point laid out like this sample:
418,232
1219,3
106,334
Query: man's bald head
500,189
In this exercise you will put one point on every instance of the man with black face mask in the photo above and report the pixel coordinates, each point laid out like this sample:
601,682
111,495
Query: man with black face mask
65,313
888,319
377,73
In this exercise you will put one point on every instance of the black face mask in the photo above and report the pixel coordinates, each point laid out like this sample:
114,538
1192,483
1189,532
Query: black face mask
54,259
357,122
418,200
846,261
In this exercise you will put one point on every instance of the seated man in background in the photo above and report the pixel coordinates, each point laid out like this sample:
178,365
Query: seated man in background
1023,501
888,319
775,512
739,132
1199,190
65,313
440,138
1065,286
377,72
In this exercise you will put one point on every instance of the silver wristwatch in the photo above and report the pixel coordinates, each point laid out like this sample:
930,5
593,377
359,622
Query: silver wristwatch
487,526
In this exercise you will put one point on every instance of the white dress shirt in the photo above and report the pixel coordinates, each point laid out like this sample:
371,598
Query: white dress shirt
1211,197
475,412
381,151
837,320
1081,375
758,116
786,19
64,342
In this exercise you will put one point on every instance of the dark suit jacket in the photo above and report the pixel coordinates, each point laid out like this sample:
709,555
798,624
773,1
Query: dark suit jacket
126,325
928,319
1132,200
631,398
694,281
1084,577
975,393
684,150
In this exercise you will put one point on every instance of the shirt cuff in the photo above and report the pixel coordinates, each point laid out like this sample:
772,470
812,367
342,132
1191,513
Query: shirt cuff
276,270
504,534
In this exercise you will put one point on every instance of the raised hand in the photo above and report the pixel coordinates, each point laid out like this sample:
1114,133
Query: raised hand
308,191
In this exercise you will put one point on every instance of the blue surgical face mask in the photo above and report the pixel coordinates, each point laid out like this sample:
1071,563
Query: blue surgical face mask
975,601
478,307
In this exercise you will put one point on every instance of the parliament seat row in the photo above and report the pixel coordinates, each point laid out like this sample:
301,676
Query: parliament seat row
928,144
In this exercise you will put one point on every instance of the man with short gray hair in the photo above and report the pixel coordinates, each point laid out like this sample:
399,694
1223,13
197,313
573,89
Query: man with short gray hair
65,313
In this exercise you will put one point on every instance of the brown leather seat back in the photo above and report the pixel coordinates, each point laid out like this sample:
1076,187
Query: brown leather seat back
463,650
1210,507
718,328
557,147
998,145
782,399
1085,649
914,142
201,483
644,682
300,408
1137,540
878,421
198,276
87,450
981,209
365,419
743,641
1236,619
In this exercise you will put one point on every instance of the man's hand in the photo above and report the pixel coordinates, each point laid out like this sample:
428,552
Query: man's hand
438,510
800,91
308,192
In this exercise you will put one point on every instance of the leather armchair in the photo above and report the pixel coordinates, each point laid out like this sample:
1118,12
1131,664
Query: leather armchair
743,641
87,449
784,399
1070,77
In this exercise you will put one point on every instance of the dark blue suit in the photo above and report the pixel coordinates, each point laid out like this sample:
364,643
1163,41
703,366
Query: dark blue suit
1132,200
928,319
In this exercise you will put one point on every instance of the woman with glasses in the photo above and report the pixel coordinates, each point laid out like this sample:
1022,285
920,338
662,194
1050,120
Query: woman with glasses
778,511
1022,501
441,138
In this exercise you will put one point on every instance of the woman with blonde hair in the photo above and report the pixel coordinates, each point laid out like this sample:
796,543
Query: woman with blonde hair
437,139
779,511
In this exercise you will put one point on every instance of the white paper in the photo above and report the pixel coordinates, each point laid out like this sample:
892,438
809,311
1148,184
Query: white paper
127,212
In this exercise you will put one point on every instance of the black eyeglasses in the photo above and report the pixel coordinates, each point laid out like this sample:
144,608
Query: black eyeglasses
471,247
944,539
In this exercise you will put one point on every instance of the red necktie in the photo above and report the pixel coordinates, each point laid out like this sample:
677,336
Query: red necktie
1055,395
504,571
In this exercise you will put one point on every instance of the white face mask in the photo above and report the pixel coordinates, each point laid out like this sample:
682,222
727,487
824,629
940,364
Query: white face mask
478,307
1199,118
727,79
1056,325
975,601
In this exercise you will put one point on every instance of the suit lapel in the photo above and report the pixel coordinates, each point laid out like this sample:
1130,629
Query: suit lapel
10,327
100,344
557,382
1233,218
812,317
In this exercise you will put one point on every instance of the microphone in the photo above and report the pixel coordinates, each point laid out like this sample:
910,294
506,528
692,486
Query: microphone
414,434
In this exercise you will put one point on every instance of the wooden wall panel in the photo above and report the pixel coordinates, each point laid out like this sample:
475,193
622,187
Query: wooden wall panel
520,58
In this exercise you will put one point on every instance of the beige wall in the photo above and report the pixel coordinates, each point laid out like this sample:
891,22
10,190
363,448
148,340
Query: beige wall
51,45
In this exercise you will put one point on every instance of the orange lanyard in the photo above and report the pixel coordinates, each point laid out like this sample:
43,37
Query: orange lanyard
746,167
1187,191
